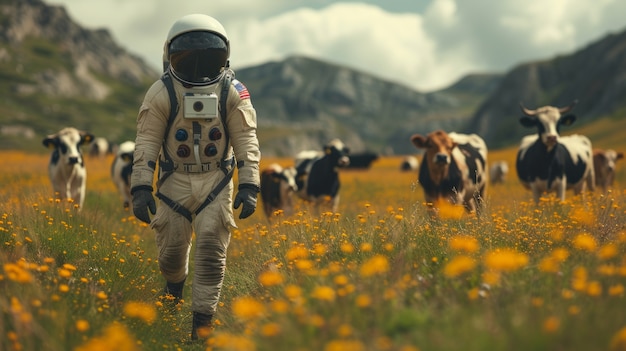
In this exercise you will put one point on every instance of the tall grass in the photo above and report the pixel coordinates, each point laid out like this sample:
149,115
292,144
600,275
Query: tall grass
379,275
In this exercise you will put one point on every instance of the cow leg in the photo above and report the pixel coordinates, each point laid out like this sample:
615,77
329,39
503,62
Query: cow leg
334,203
536,191
562,187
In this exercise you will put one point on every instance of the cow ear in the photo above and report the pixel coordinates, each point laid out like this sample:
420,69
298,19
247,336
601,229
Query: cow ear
419,141
567,120
127,157
620,155
528,121
50,142
85,138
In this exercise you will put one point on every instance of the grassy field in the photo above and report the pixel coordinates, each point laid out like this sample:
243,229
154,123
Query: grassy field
378,275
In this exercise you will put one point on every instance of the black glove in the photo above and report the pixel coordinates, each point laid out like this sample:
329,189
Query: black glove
142,201
247,196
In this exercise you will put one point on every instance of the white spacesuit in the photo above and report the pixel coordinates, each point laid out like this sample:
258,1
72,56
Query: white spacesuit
197,153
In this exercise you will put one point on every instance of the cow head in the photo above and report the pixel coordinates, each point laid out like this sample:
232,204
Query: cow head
337,152
66,143
289,176
438,155
548,121
608,158
126,151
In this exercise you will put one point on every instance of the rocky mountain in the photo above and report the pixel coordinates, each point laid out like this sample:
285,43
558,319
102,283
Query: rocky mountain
302,102
594,75
55,73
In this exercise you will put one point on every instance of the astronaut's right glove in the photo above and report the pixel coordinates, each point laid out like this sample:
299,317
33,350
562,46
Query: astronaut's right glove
247,196
142,202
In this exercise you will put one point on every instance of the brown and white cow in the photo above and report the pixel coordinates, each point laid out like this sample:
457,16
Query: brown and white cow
549,162
453,168
67,168
604,166
278,184
121,170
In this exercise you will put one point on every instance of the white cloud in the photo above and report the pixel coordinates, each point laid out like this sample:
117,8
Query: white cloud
425,51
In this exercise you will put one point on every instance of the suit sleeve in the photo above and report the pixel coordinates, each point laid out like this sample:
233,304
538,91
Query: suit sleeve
151,124
242,127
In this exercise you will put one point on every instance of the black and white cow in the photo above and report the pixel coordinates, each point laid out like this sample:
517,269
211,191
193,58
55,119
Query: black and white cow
548,162
362,160
99,147
67,168
121,170
278,184
317,173
409,163
453,168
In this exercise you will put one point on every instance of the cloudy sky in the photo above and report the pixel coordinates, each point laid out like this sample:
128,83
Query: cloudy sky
424,44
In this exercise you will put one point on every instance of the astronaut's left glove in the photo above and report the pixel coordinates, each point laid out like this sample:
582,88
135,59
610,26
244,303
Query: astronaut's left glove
247,196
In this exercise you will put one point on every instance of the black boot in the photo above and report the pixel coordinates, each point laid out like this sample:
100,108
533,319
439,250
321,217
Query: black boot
175,289
172,297
201,325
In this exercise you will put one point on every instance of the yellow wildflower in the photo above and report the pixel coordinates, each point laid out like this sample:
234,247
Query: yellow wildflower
459,265
551,324
375,265
324,293
270,278
270,329
140,310
608,251
296,253
82,325
618,341
585,242
341,345
247,308
17,274
505,260
464,243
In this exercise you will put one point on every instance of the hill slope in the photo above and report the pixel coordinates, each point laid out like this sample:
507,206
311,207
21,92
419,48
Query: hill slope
594,75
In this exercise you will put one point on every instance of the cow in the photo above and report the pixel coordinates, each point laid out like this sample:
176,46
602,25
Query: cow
278,184
67,168
99,147
317,173
498,172
604,167
409,163
121,169
452,169
548,162
362,160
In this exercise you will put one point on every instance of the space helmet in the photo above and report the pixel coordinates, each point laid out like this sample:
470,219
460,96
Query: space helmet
196,50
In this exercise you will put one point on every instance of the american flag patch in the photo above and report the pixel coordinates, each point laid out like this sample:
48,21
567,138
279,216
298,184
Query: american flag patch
241,89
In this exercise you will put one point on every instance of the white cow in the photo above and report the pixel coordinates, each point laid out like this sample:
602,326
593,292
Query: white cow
67,169
498,172
122,168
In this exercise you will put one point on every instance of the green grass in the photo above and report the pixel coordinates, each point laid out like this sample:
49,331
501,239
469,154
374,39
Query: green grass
379,275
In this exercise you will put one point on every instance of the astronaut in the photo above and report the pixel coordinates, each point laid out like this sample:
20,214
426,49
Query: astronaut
197,151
